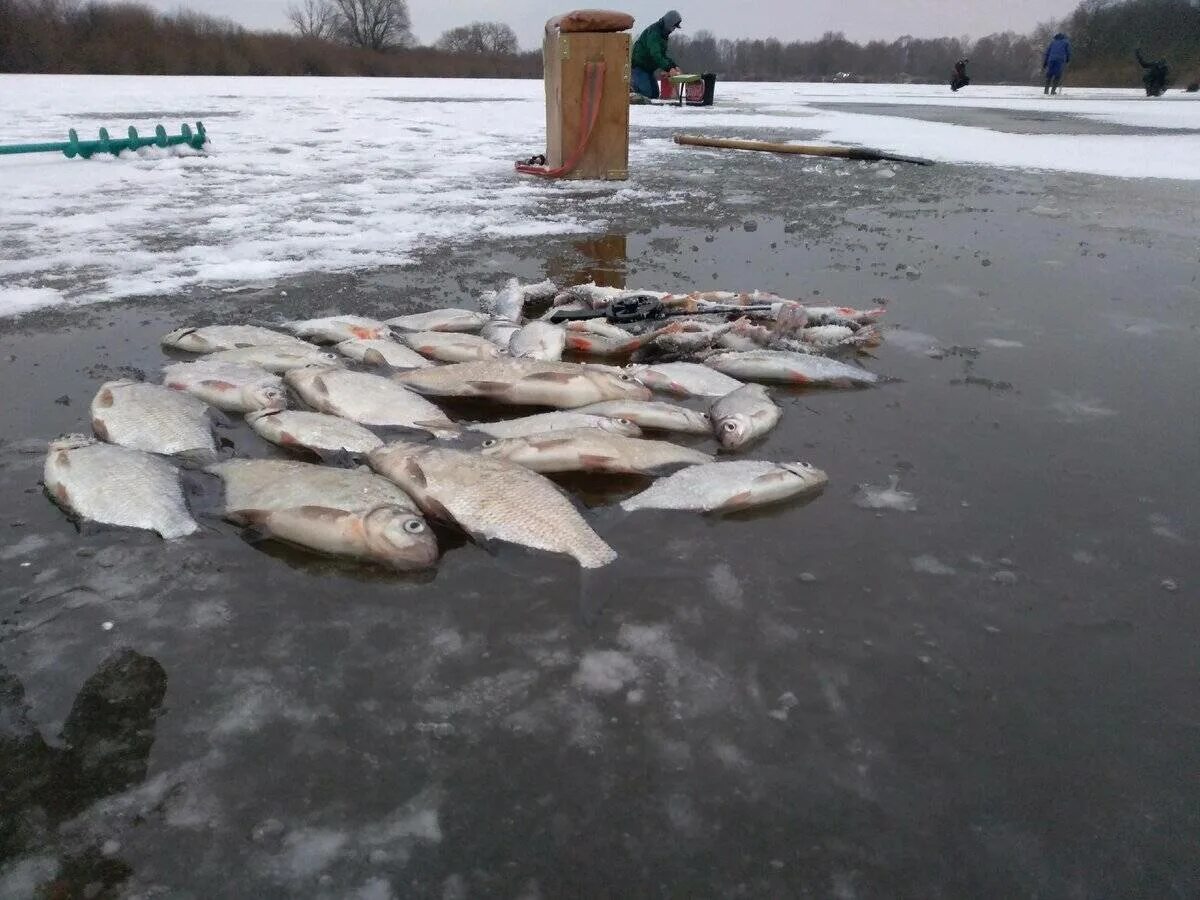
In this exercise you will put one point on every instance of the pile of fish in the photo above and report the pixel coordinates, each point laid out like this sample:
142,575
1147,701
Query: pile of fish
372,454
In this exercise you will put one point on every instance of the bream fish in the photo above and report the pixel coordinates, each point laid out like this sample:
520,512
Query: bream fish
383,352
335,329
594,450
789,368
211,338
492,499
317,432
116,486
153,418
729,486
232,387
340,512
452,320
524,382
743,415
368,399
685,379
277,358
555,421
451,347
538,340
653,414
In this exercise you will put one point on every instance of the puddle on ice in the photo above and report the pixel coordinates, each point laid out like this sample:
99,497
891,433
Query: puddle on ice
1078,408
891,497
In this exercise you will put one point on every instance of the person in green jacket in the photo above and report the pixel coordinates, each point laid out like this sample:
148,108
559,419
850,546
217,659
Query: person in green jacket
650,59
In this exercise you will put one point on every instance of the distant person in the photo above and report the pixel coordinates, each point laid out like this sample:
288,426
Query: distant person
1054,63
960,78
1154,75
650,60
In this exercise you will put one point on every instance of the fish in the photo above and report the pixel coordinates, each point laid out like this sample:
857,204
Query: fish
594,450
114,485
653,414
211,338
451,347
277,358
524,382
555,421
830,337
685,379
232,387
500,331
153,418
788,367
314,431
595,296
463,321
509,302
492,500
729,486
744,334
841,315
368,399
743,415
538,340
382,352
340,512
682,339
335,329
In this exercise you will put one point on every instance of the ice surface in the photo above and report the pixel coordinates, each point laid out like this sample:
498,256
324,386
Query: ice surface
890,497
605,671
335,174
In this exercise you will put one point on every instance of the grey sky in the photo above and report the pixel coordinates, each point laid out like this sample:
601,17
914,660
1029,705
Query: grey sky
783,19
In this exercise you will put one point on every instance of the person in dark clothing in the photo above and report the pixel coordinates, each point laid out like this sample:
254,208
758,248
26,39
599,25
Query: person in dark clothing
1154,75
960,78
1054,62
650,59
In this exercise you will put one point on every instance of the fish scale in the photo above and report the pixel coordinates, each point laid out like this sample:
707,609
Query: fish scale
367,399
728,486
153,418
594,450
524,382
492,499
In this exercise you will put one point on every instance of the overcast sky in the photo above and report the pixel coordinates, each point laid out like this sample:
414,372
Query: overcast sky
783,19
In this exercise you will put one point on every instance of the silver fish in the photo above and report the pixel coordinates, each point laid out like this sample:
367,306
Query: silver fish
597,297
341,512
594,450
492,499
841,315
729,486
318,432
509,302
451,347
789,368
743,415
335,329
384,352
653,414
368,399
555,421
685,380
538,340
500,331
116,486
233,387
153,418
277,358
677,338
211,338
524,382
455,320
831,337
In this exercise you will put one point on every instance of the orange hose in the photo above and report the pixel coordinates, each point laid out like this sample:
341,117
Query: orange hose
593,91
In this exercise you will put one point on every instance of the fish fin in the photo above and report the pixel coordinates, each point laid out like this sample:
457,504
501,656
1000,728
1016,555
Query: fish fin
552,442
220,419
736,502
415,472
251,518
100,429
553,377
374,358
595,462
436,425
214,383
320,385
104,399
488,388
339,459
324,513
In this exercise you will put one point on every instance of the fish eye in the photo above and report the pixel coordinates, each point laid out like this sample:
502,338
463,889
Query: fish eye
490,442
730,426
414,526
705,416
625,377
624,422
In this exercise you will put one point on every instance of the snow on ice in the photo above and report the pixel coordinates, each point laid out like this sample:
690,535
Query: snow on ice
336,174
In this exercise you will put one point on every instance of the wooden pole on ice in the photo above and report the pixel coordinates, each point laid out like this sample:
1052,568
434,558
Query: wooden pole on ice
863,153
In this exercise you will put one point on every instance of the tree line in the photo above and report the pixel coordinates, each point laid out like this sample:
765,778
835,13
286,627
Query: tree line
1104,35
374,37
341,37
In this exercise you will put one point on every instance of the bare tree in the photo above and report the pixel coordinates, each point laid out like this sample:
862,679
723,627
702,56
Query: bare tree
374,24
314,19
480,37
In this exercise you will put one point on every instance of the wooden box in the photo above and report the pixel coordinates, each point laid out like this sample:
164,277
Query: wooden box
566,58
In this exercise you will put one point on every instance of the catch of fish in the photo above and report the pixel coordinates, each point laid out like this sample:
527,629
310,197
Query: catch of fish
371,443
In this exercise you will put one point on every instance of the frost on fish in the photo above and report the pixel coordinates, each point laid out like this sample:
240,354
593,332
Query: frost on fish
729,486
153,418
889,497
492,499
116,486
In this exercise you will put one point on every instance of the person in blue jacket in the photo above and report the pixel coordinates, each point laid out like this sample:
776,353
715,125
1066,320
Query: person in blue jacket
1058,54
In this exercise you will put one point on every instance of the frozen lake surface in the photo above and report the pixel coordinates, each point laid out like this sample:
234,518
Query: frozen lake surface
967,669
330,174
